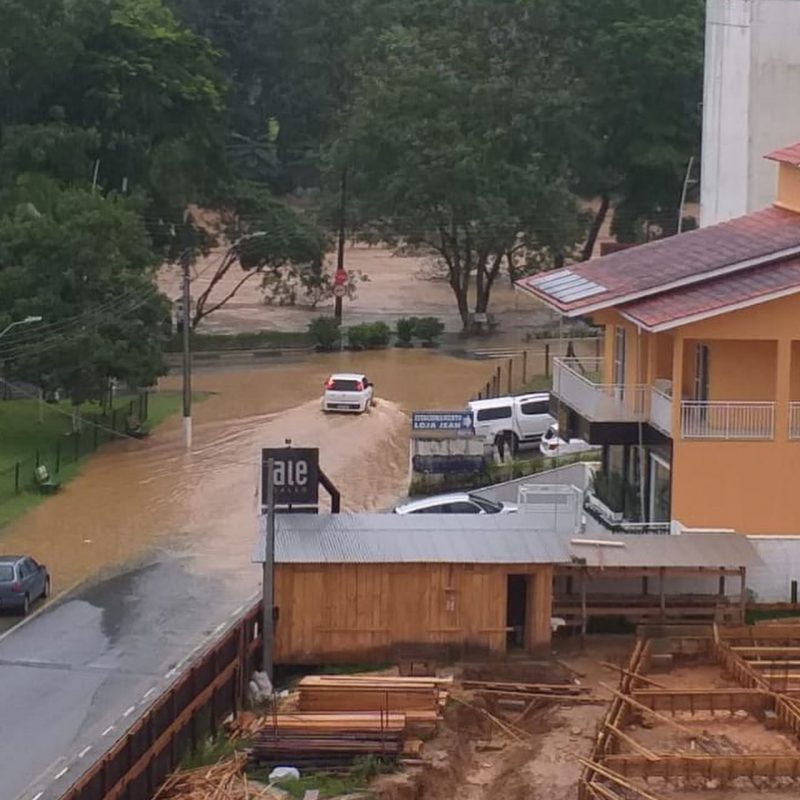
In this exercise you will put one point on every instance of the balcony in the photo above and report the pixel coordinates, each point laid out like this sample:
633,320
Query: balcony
728,420
794,420
575,382
661,410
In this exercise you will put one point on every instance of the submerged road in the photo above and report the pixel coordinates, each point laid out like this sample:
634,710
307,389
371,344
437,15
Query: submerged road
165,537
74,678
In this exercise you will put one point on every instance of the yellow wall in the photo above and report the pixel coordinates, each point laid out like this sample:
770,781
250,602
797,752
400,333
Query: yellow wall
788,187
749,486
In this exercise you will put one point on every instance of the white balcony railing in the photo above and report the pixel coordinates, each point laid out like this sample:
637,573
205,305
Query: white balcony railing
575,382
727,420
661,410
794,420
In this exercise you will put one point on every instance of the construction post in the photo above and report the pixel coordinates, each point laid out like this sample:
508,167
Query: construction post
510,374
268,582
186,265
547,360
524,367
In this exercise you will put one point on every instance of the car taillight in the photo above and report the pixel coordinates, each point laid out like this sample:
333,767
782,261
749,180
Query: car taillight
16,586
329,383
359,387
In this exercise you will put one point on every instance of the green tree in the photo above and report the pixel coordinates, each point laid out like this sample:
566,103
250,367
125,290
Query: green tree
269,240
84,263
639,72
453,139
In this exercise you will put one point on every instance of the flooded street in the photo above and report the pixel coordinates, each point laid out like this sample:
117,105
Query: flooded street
161,540
135,497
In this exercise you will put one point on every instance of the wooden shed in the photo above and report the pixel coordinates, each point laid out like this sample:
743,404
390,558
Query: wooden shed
355,587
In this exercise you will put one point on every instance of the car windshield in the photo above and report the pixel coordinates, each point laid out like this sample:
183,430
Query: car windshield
343,385
6,572
487,505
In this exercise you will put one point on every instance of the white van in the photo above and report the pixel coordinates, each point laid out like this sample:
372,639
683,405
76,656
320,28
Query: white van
512,421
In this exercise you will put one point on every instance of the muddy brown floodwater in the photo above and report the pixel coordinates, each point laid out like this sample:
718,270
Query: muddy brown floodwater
135,495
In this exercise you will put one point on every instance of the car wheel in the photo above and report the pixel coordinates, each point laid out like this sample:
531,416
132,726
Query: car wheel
26,605
47,587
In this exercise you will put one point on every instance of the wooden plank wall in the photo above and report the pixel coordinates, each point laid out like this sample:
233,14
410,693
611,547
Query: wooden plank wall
340,612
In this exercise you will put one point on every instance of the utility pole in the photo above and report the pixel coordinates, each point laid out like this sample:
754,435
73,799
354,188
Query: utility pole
186,266
268,579
340,277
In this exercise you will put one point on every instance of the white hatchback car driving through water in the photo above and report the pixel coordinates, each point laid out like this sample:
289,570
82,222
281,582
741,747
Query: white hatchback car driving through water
347,391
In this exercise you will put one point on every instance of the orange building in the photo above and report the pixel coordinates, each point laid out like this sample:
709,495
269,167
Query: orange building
696,402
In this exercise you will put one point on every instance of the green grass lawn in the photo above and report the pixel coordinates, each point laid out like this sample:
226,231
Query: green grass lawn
23,435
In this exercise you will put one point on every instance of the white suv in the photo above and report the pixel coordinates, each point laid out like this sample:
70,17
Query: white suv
347,391
512,421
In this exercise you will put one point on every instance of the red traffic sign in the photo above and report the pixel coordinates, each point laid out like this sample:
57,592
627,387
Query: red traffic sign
340,277
338,290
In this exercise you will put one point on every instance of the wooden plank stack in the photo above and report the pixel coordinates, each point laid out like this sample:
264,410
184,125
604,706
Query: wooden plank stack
420,699
344,717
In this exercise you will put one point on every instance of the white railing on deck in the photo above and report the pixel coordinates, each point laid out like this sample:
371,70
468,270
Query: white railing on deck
661,410
794,420
575,382
727,420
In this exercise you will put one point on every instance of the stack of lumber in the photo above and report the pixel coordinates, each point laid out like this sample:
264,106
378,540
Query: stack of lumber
323,749
421,700
555,690
247,725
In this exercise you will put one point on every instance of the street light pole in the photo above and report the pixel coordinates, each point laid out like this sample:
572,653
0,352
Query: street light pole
268,579
26,321
186,265
340,278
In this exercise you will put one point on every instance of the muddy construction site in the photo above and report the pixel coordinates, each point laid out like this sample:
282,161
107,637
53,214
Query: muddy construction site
681,713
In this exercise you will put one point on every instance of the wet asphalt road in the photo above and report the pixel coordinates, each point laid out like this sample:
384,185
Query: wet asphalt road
75,677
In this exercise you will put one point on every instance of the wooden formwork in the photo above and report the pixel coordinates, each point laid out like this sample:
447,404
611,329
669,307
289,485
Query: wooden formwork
763,660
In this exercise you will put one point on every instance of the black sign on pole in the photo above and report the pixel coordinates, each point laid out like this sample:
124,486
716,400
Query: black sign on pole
295,475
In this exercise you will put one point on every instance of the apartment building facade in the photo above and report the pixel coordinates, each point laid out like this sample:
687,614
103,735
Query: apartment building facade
696,401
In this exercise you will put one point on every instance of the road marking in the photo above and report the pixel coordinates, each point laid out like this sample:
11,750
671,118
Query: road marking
236,611
148,692
219,627
107,730
129,711
37,796
171,672
84,751
60,774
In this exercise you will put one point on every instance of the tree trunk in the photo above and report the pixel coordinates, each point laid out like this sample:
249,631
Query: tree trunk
594,228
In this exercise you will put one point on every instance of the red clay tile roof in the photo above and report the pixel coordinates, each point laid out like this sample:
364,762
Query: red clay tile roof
672,262
715,296
786,155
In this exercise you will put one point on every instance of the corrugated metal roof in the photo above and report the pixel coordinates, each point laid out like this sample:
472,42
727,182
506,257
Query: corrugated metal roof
729,550
487,539
413,538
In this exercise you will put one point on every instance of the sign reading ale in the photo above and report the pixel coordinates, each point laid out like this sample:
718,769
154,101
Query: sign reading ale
295,475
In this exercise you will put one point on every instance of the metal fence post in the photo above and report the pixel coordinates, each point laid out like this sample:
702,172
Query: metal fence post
524,367
16,477
37,458
510,374
547,360
58,456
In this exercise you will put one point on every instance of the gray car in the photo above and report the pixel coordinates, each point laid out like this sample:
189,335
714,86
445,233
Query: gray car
22,581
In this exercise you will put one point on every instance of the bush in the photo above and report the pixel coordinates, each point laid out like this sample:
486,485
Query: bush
369,336
325,334
428,330
404,331
378,335
357,337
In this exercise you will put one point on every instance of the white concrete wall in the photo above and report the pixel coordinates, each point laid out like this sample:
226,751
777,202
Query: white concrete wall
772,582
751,102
